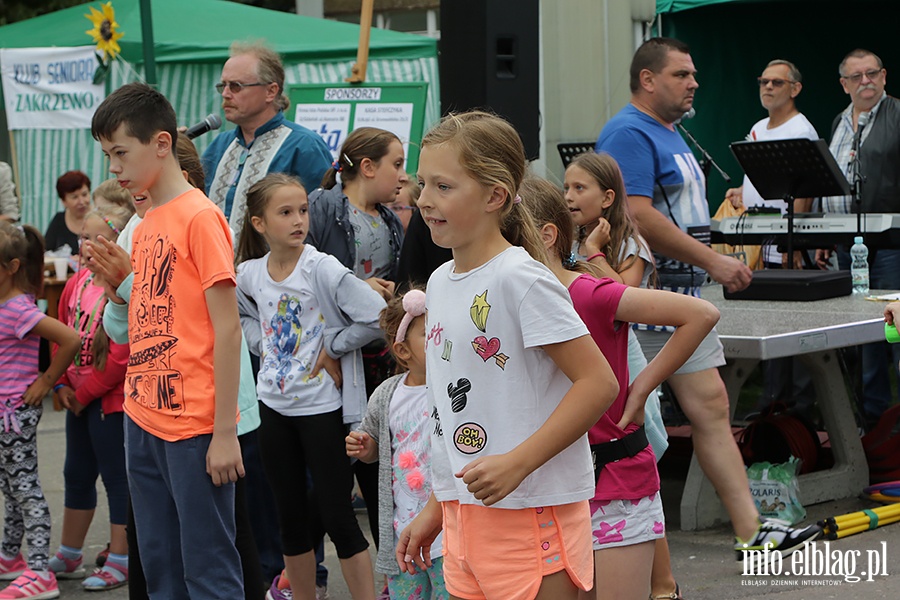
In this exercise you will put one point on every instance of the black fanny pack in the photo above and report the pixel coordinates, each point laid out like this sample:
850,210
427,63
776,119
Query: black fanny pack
626,447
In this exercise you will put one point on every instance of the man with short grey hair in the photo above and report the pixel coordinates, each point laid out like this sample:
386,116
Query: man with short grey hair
264,141
863,78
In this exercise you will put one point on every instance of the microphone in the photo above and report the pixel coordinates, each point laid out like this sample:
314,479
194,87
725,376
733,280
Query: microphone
861,121
208,124
688,115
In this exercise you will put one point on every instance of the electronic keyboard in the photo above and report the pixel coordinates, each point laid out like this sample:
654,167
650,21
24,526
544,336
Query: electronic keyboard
811,230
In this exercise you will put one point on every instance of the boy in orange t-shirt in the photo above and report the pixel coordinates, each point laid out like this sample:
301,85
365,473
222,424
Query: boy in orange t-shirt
183,372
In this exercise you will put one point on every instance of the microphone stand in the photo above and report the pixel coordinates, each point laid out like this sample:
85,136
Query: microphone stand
706,159
856,179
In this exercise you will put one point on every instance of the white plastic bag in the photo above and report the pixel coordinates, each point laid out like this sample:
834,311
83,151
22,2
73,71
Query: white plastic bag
776,491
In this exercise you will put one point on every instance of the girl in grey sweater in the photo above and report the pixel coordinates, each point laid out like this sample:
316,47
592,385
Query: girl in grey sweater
396,432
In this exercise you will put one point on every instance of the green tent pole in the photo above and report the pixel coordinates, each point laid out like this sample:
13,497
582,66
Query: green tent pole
147,37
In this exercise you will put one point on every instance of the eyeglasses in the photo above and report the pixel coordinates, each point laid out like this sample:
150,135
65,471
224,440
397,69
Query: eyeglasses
235,87
857,77
401,208
763,82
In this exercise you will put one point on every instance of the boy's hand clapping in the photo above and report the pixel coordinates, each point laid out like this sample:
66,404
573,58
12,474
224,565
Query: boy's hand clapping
361,445
110,262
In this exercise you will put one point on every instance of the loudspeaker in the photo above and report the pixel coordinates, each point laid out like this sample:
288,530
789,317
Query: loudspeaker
489,57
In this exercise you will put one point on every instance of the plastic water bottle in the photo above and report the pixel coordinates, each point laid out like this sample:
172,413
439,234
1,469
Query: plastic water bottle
859,266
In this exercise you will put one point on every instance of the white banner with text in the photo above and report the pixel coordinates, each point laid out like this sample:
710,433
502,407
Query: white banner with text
50,88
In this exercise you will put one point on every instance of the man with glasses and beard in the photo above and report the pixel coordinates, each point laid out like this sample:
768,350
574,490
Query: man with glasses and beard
264,141
863,78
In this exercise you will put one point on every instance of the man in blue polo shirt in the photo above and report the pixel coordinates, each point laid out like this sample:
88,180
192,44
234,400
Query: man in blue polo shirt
667,198
252,88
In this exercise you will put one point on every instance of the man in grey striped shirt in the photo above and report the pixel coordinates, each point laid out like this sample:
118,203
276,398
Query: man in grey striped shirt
863,78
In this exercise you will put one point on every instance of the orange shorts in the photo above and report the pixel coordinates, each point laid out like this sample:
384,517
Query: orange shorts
505,553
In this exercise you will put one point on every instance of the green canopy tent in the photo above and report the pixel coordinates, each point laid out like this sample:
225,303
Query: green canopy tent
732,41
191,41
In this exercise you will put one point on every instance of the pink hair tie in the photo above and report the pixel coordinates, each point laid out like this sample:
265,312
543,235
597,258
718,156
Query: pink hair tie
414,305
517,199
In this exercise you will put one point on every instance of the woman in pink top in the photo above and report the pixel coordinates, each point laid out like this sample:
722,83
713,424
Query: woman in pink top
626,511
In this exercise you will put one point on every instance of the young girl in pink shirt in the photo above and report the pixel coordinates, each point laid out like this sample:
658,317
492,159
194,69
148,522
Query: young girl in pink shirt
91,390
626,510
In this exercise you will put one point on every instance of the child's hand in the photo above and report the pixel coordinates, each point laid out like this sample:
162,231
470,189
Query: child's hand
37,391
223,459
108,260
66,397
361,445
414,545
891,312
332,366
634,408
492,478
382,286
598,238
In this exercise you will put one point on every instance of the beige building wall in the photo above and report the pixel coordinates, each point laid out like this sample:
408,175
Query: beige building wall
587,48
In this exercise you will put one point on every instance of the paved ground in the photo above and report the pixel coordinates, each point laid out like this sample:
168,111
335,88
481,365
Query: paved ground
702,561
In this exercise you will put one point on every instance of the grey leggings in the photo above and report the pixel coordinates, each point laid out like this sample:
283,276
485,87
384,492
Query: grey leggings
26,512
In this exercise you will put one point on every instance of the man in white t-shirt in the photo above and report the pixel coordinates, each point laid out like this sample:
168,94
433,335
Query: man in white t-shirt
779,86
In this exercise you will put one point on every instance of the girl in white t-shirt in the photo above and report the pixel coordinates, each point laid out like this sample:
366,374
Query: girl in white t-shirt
515,379
396,433
626,510
306,316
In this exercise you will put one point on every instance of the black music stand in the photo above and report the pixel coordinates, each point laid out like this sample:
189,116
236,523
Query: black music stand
789,169
568,151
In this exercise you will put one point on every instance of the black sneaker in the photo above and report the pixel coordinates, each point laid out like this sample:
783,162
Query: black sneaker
772,535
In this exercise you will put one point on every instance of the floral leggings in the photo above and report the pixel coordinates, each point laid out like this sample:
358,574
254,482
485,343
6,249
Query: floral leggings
423,585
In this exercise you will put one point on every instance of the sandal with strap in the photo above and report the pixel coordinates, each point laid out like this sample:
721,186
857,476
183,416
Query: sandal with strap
676,595
102,579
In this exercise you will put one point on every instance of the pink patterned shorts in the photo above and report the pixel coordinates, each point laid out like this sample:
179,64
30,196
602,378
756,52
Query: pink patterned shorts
626,522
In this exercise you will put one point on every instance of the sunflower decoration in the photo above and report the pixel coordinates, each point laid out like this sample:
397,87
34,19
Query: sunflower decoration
106,35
